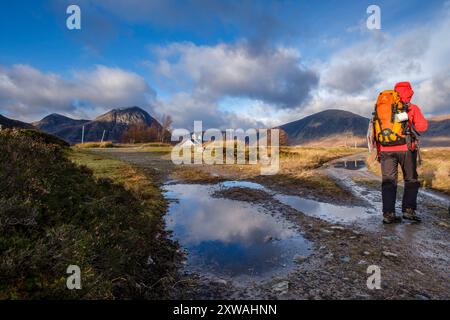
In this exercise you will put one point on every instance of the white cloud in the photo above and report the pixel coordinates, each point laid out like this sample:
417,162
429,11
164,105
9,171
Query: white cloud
352,78
28,93
200,78
271,75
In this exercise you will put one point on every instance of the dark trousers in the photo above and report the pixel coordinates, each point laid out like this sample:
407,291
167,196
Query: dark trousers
389,168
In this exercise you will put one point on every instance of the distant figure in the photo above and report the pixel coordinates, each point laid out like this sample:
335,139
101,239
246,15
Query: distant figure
395,125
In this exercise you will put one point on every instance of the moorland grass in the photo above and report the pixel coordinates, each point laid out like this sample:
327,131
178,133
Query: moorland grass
107,219
434,173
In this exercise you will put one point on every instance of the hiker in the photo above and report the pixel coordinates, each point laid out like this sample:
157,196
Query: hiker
396,123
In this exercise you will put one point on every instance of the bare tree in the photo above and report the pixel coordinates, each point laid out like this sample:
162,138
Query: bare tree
139,133
166,122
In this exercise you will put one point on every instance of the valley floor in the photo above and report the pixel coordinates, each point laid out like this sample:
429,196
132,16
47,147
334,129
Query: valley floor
413,259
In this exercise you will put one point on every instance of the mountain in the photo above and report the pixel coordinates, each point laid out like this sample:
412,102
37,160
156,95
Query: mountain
113,123
328,128
116,121
55,122
438,133
10,123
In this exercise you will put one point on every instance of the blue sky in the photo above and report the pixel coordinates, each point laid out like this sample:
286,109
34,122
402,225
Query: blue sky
229,63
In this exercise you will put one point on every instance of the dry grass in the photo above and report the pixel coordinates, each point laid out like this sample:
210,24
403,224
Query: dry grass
297,173
295,160
434,172
89,145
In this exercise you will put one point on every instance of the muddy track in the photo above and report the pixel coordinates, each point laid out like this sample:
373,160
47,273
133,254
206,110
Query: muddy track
414,259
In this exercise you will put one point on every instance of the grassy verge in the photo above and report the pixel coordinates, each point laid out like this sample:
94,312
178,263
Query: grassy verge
124,174
434,172
99,214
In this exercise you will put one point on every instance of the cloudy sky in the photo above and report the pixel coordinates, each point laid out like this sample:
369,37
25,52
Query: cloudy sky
228,63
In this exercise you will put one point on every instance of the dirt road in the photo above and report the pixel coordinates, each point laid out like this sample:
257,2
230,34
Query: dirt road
333,244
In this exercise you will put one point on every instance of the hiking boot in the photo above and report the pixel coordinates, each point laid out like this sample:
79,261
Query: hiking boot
410,214
390,217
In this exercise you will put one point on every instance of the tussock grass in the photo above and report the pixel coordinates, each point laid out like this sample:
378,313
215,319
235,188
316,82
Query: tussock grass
434,172
296,160
88,145
103,216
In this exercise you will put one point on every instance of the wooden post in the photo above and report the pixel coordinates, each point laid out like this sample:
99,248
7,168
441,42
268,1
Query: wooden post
103,136
82,135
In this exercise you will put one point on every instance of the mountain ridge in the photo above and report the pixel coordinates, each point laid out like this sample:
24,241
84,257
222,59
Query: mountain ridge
332,127
8,123
113,123
340,125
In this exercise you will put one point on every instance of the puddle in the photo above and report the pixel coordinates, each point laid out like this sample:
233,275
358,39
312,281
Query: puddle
231,239
243,184
325,211
242,240
350,165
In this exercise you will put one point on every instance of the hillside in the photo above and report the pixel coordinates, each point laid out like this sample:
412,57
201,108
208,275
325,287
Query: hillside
54,213
114,123
329,127
56,122
7,123
438,134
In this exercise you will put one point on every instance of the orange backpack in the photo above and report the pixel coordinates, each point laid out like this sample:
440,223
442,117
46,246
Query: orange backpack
388,131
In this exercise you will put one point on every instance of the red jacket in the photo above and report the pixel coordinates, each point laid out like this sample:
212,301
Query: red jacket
416,118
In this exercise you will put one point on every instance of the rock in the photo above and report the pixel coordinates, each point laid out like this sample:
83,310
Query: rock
443,224
326,231
419,272
221,281
337,228
282,286
150,261
346,259
299,258
329,256
421,297
389,254
361,262
366,253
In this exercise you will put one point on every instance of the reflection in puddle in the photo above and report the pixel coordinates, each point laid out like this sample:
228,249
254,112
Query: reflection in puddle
324,211
350,165
229,238
243,184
